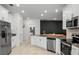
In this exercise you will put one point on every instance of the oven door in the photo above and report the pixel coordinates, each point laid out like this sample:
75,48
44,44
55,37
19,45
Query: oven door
65,48
75,40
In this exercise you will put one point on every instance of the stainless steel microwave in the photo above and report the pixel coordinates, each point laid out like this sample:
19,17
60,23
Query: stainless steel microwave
69,24
75,21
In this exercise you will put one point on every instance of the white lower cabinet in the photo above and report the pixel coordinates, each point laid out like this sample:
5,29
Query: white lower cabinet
44,43
39,41
75,50
58,46
33,40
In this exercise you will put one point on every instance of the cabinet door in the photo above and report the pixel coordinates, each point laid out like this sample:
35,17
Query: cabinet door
44,43
33,40
74,50
38,42
58,45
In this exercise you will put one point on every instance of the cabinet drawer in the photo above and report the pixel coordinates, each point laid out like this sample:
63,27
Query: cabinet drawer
44,43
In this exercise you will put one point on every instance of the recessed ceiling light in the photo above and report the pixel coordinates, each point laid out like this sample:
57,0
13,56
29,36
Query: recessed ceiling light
17,5
56,10
22,11
45,11
42,14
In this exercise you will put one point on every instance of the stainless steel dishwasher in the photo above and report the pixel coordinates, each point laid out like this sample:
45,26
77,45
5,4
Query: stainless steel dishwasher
51,44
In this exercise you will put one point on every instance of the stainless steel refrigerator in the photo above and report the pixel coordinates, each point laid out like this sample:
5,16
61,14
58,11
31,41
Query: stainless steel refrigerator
5,38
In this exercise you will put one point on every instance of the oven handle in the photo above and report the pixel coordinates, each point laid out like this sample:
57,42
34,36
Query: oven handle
65,44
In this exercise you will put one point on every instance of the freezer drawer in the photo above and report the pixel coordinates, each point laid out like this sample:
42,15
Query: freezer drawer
5,49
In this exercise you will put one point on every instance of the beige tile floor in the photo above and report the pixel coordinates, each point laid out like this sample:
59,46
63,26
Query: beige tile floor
26,48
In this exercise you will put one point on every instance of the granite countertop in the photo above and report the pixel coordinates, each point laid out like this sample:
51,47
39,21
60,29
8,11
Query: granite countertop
40,35
50,37
57,37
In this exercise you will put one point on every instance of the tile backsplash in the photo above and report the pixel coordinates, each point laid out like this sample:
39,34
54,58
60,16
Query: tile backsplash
70,32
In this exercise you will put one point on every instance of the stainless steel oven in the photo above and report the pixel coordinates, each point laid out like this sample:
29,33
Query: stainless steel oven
65,48
75,38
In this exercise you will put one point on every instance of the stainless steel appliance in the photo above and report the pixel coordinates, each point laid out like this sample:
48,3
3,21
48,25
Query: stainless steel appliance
5,38
51,44
75,38
75,21
69,23
65,48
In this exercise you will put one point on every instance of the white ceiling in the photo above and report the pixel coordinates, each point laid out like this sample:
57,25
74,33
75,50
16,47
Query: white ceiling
35,10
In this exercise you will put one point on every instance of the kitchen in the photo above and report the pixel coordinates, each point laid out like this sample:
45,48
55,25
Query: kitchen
59,36
67,46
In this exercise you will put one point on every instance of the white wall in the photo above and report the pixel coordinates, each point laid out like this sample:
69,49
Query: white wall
3,13
70,11
16,28
31,23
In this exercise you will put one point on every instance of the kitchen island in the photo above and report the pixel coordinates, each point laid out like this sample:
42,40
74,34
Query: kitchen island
49,42
39,41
